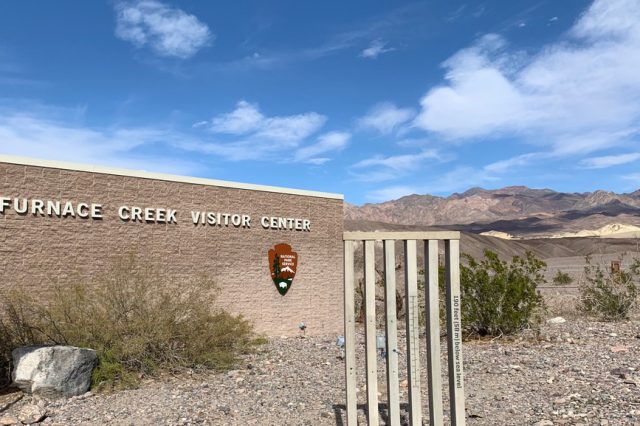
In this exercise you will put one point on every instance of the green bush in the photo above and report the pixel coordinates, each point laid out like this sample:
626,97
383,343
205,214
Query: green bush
562,278
138,319
609,295
499,297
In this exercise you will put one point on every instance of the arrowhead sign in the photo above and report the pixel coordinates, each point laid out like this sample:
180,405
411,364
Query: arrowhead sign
283,263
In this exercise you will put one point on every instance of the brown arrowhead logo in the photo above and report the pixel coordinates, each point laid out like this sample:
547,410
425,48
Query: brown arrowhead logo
283,262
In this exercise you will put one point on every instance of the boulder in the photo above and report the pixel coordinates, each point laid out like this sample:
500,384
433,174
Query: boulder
53,371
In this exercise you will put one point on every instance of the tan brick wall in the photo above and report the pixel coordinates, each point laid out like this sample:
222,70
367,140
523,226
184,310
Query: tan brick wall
36,249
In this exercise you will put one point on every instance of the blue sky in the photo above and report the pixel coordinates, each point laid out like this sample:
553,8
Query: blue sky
375,100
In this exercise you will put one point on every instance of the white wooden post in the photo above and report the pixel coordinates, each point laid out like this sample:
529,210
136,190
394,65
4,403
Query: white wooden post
391,331
413,327
454,332
350,335
370,332
432,299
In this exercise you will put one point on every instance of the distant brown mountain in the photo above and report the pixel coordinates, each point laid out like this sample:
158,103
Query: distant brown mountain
516,210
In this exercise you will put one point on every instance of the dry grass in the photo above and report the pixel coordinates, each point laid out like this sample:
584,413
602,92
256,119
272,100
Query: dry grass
138,320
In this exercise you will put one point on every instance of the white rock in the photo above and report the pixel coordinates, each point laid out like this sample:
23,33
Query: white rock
53,371
556,320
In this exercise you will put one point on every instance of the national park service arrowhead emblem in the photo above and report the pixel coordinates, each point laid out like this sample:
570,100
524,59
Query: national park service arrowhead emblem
283,262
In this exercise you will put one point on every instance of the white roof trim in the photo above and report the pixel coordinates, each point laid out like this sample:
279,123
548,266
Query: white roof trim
26,161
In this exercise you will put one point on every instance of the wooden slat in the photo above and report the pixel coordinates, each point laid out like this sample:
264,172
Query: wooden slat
350,334
454,332
379,236
432,297
370,332
391,331
413,329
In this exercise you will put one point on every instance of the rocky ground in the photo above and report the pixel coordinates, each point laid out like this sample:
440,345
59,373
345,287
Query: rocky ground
573,373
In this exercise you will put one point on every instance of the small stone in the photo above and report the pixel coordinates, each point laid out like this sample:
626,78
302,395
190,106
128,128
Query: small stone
32,414
544,423
556,320
8,420
616,349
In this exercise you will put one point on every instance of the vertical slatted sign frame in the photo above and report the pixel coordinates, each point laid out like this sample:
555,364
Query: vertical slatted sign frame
391,332
371,359
432,315
350,333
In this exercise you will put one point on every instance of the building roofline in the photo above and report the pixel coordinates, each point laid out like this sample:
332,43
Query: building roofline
53,164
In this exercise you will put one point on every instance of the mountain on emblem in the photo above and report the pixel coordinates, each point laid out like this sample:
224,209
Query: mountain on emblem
283,263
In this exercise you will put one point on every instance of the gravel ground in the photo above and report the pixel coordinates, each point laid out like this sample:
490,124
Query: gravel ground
573,373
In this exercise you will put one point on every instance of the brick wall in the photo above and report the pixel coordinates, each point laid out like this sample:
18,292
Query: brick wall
35,249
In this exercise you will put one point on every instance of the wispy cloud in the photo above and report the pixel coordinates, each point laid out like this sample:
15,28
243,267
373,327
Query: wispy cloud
405,23
503,166
460,178
166,30
266,133
386,117
379,168
609,160
247,134
45,136
12,72
328,142
577,96
375,49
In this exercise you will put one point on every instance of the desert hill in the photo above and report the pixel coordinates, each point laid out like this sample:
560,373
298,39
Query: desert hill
516,210
543,248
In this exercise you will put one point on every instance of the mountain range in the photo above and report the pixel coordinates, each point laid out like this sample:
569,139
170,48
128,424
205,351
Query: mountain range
519,211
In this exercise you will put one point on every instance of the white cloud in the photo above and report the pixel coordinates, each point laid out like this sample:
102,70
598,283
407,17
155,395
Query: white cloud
41,136
375,49
609,160
247,134
59,134
576,96
244,119
398,162
379,168
167,31
332,141
385,118
247,120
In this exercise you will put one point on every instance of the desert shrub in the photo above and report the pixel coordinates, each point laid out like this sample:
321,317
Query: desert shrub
562,278
500,297
609,295
5,356
139,321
